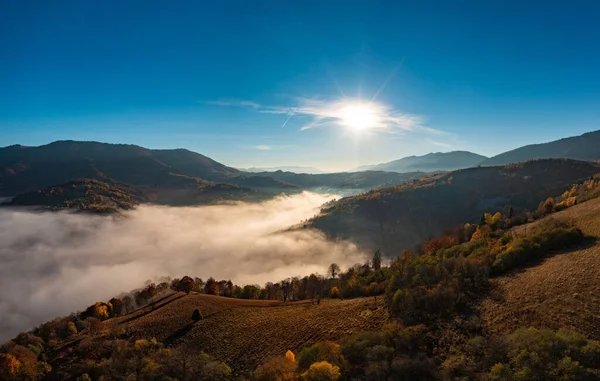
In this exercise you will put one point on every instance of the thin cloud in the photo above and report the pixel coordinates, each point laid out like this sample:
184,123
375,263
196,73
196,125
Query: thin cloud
334,113
268,147
439,144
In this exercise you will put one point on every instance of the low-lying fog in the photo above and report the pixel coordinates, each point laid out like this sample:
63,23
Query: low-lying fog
53,264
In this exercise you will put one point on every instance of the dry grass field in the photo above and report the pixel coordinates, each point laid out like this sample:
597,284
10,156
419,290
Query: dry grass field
561,291
245,332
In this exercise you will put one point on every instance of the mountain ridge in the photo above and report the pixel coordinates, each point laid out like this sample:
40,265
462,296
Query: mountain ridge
431,162
585,147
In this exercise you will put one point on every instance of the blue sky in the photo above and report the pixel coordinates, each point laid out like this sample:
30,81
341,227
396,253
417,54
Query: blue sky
222,77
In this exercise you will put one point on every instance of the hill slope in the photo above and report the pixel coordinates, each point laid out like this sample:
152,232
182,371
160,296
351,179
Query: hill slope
241,332
584,147
85,195
344,180
25,169
438,161
397,218
562,291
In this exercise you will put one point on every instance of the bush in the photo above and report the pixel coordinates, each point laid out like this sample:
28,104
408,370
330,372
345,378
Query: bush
196,315
548,237
322,371
278,369
542,354
334,293
325,351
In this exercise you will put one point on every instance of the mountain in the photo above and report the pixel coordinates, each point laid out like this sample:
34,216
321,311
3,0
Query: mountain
397,218
356,181
585,147
438,161
25,169
296,169
83,195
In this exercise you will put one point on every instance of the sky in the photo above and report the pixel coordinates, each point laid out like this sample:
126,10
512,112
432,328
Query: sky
328,84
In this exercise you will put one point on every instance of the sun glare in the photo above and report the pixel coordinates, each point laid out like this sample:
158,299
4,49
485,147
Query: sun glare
359,116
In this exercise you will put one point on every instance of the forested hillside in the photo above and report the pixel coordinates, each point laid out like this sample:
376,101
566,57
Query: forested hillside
398,218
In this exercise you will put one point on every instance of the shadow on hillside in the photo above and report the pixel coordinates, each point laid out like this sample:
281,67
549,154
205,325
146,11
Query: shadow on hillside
588,242
178,334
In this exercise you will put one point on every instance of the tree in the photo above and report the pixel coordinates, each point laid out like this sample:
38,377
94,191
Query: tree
322,371
211,287
186,284
196,315
334,269
278,369
117,306
334,293
377,260
128,304
327,351
93,325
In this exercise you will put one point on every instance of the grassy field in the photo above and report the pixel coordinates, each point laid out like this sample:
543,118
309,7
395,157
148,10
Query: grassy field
245,332
561,291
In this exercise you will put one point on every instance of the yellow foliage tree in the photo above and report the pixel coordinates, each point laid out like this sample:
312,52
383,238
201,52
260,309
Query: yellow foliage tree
278,369
100,311
482,233
9,365
322,371
290,356
334,293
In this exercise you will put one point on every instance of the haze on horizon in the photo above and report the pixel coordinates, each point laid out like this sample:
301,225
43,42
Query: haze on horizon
271,83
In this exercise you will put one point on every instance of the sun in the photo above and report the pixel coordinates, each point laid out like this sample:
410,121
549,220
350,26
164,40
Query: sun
359,116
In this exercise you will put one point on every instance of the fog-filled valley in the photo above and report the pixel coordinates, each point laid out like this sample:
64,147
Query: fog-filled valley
58,263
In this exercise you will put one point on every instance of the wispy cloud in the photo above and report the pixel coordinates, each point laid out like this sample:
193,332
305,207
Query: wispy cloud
270,147
339,112
439,144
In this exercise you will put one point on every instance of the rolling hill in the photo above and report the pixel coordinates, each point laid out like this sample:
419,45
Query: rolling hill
561,291
397,218
585,147
84,195
359,181
165,172
296,169
438,161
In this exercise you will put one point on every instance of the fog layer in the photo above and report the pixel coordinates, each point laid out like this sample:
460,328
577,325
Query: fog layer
57,263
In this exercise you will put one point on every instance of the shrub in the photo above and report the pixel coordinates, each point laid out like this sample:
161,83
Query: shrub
334,293
548,236
325,351
278,369
322,371
196,315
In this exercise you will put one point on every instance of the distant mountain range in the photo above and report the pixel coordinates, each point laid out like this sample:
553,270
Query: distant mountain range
583,147
45,176
438,161
183,177
164,175
295,169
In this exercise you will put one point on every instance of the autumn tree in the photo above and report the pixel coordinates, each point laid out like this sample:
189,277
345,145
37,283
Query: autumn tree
376,260
334,269
186,284
322,371
117,306
93,325
211,287
128,304
280,368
